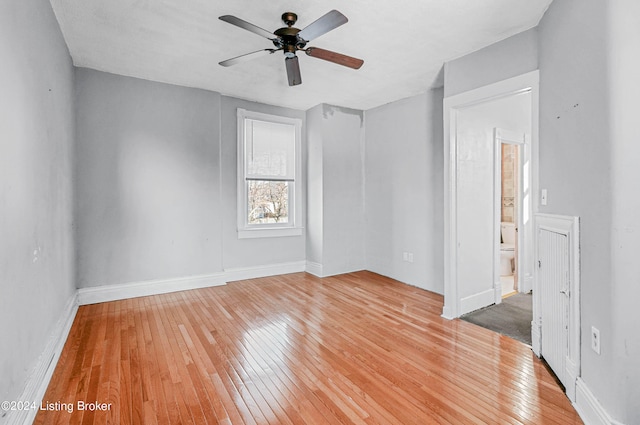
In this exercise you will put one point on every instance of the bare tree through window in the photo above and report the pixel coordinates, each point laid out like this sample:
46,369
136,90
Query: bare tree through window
268,201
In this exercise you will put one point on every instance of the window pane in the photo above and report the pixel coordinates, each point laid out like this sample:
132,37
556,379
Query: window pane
268,202
270,149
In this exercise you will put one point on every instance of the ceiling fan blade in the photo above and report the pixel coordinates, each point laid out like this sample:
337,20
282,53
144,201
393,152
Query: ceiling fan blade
334,57
293,71
323,25
248,26
246,57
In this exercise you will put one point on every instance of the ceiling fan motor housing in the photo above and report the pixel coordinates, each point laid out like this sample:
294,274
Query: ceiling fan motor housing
288,39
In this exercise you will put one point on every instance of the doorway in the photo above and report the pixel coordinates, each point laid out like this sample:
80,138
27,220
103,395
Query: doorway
511,186
470,239
472,220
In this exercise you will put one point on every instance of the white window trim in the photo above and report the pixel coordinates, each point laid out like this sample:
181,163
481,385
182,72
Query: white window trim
294,227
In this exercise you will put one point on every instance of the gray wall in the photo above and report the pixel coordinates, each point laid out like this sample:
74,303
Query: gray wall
575,162
240,253
315,198
508,58
343,190
36,196
588,160
156,192
148,180
335,163
404,190
624,92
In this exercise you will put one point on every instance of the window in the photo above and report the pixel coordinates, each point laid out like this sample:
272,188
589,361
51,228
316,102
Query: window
268,175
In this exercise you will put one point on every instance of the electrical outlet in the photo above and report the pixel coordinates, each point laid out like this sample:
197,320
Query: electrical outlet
595,339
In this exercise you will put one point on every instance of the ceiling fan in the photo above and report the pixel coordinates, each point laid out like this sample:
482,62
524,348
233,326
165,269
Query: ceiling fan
291,40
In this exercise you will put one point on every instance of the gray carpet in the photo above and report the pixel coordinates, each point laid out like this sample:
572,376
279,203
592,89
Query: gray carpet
512,317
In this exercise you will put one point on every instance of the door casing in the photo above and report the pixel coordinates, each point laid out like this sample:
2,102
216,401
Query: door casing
528,82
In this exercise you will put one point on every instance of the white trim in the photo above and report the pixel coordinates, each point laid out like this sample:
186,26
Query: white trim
341,270
509,87
314,268
476,301
38,381
242,273
269,233
569,226
447,313
536,337
497,213
589,408
294,227
509,136
106,293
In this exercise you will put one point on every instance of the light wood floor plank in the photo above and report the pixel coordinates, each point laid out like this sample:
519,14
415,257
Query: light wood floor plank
295,349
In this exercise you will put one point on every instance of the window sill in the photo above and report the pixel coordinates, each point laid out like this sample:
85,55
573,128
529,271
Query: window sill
269,233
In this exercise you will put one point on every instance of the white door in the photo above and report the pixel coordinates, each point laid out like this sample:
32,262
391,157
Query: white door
475,210
553,255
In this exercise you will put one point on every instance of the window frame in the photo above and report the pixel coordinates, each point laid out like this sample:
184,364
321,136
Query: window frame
294,225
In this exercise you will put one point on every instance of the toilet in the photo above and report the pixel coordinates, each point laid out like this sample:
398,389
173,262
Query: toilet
507,248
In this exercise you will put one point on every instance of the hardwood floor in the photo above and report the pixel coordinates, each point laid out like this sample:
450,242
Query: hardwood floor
295,349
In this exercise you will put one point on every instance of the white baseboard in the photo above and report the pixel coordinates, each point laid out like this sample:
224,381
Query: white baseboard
447,314
536,338
106,293
497,291
527,284
242,273
314,268
477,301
572,371
589,408
345,270
38,381
381,266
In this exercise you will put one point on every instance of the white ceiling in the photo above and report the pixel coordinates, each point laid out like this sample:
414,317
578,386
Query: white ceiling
404,44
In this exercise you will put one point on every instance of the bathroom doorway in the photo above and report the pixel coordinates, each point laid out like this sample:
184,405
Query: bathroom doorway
510,183
511,313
